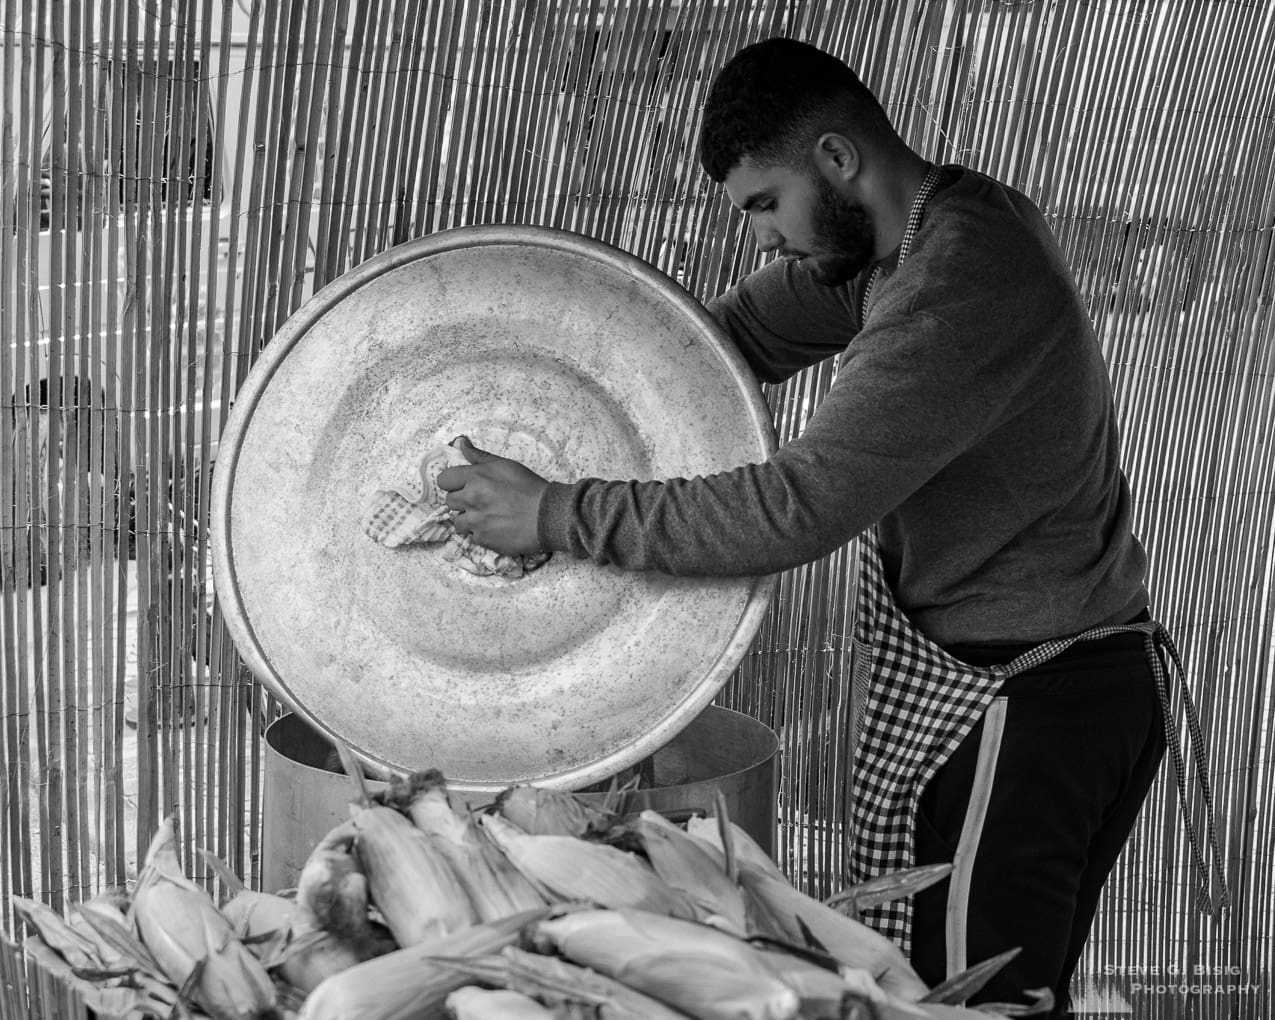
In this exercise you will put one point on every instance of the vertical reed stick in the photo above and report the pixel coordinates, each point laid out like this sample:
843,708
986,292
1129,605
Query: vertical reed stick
362,48
13,796
78,471
41,681
368,118
276,169
343,54
305,142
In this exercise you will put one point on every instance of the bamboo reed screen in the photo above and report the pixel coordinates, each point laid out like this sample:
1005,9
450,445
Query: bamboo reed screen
178,175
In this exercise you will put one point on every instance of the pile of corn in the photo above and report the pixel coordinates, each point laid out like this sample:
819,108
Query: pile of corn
537,906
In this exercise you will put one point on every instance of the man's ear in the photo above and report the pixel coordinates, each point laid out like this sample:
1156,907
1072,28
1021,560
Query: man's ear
837,155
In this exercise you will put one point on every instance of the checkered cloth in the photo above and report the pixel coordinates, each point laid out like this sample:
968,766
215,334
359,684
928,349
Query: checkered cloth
416,514
394,520
913,704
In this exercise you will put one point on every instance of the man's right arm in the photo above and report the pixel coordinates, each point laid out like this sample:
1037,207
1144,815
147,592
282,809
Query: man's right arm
783,321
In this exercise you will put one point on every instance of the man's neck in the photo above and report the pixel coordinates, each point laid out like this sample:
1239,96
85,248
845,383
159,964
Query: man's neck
897,194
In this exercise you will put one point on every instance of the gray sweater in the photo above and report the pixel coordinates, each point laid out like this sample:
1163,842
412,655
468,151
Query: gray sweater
971,419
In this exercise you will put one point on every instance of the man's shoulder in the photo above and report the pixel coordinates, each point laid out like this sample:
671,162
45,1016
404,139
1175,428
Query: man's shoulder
972,198
980,226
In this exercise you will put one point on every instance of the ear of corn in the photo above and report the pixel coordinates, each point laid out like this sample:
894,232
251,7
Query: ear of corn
561,984
746,848
411,882
183,929
473,1003
705,987
933,1011
260,919
77,948
426,801
162,861
409,983
544,812
254,915
822,992
575,869
691,967
846,939
331,929
332,891
101,907
120,938
116,942
686,866
495,887
311,956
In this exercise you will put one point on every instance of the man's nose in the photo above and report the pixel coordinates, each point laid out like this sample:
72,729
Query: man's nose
768,238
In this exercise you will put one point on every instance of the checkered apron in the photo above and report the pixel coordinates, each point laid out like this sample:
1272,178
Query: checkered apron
913,704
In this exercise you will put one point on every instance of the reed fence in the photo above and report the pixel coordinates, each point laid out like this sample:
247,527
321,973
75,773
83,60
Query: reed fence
177,176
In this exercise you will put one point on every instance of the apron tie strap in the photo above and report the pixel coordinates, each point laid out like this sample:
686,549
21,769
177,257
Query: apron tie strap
1163,654
1164,660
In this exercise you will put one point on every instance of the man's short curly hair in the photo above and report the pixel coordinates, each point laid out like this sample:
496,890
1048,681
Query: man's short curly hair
776,97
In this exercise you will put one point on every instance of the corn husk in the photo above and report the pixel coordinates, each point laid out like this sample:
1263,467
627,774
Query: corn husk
959,987
570,869
255,915
691,967
410,882
823,992
78,949
744,847
184,930
473,1003
162,861
847,940
544,812
495,887
687,866
113,933
331,929
855,899
311,956
332,890
565,987
424,798
409,983
104,908
120,939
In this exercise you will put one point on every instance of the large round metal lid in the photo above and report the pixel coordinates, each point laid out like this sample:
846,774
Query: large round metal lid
564,353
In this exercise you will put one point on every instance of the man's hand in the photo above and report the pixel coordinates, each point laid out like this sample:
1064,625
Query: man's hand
497,500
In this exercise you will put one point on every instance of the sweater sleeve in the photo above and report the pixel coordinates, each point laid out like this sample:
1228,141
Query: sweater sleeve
782,321
911,394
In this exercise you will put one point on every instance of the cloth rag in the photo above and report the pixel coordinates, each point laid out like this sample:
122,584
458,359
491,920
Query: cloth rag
417,513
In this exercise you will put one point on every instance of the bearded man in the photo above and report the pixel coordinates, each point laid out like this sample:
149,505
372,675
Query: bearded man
1009,720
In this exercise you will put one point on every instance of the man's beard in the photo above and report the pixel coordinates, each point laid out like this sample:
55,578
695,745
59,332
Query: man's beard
843,239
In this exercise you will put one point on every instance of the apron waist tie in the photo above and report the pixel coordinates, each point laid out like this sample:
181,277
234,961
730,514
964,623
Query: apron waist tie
1163,657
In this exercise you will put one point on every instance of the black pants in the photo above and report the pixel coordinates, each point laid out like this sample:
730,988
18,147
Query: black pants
1082,740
